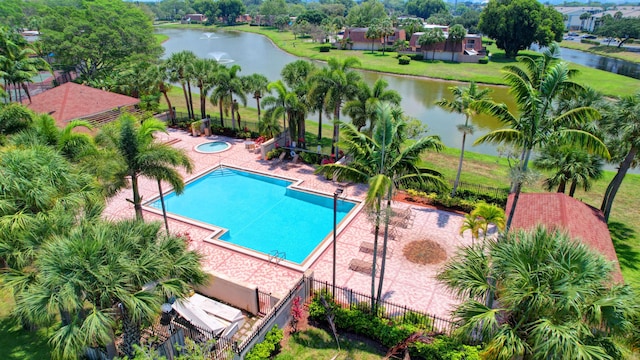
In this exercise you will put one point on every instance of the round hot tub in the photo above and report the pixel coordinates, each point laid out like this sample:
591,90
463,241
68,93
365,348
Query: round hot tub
212,147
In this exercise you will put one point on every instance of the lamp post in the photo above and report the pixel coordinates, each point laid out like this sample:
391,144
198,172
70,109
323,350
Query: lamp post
335,211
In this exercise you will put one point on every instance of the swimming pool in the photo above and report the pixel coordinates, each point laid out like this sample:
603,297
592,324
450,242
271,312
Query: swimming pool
261,213
212,147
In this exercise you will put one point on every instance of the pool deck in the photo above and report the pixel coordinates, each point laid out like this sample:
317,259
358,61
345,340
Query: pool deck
405,283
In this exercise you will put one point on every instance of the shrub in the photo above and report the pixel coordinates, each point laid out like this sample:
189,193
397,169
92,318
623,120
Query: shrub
310,158
358,319
404,60
244,135
325,48
268,347
484,60
630,41
445,348
272,154
417,57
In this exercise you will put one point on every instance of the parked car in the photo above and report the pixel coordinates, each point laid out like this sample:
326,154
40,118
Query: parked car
572,33
589,37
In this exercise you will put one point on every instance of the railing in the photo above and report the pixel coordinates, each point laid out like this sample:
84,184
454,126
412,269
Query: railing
264,302
348,298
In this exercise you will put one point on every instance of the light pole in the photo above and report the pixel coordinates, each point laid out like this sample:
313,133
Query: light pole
335,211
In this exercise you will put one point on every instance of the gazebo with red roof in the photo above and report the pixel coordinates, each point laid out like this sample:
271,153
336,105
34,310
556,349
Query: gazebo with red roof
71,101
560,211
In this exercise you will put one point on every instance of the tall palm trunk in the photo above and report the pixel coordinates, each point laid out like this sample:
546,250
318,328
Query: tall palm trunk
615,183
457,181
562,187
572,189
137,199
384,243
186,99
130,334
203,103
319,124
172,115
233,111
517,190
375,257
336,130
190,104
220,108
257,96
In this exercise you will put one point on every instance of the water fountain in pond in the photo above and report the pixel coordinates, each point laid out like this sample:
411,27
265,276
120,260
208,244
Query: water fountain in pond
218,56
209,35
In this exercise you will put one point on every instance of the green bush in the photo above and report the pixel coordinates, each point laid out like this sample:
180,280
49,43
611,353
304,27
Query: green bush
310,158
417,57
272,154
484,60
387,332
325,48
630,41
404,60
445,348
268,347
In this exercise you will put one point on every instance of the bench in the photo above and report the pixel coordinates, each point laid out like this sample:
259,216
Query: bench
361,266
367,247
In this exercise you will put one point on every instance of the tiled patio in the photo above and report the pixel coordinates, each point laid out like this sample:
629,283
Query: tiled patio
405,283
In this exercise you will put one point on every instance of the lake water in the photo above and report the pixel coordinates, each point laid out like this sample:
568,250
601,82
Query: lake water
256,54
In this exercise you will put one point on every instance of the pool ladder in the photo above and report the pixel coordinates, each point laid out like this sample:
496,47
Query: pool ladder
277,256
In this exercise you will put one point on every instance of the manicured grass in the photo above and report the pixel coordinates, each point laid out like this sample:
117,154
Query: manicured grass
314,343
16,343
160,38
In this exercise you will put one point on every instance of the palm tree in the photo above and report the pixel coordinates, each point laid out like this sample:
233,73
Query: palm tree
157,78
430,38
296,75
535,88
461,104
554,298
362,107
277,104
204,72
18,64
133,270
269,124
571,165
373,32
456,34
386,29
386,162
488,214
472,223
622,127
179,65
228,84
256,84
341,84
143,156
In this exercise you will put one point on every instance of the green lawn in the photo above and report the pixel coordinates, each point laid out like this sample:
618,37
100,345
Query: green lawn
16,343
315,343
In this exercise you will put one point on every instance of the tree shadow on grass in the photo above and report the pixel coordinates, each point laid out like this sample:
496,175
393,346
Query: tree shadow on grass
16,343
622,236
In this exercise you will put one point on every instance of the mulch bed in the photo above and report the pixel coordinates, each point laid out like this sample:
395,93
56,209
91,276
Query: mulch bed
424,252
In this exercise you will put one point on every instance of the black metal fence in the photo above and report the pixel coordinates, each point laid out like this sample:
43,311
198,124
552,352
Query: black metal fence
348,298
264,302
182,119
478,189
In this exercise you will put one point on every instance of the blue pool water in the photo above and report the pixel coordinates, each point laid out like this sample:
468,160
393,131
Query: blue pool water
261,212
213,147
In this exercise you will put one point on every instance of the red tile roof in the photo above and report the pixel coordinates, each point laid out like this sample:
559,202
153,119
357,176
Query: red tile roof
72,101
557,210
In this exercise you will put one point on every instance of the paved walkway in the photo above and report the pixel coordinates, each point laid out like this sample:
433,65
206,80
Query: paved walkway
405,283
